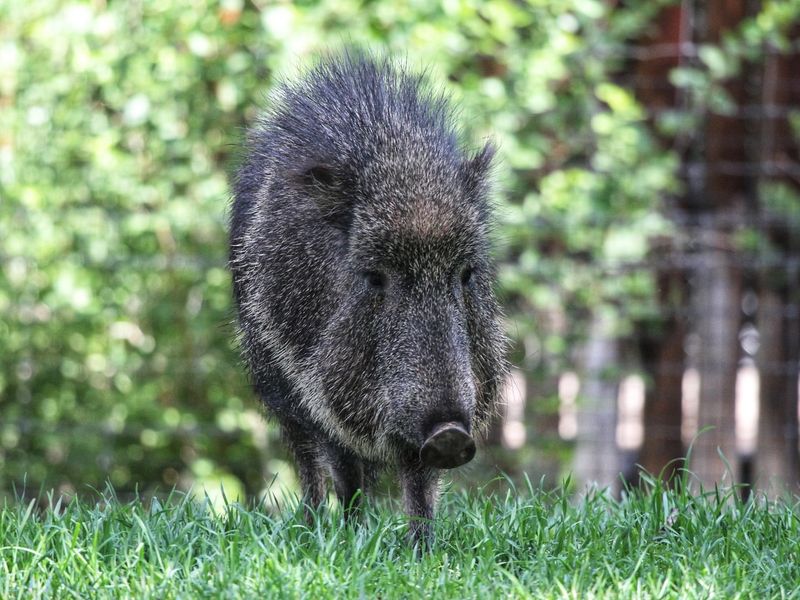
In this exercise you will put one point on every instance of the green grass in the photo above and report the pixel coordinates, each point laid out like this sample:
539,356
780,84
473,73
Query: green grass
521,544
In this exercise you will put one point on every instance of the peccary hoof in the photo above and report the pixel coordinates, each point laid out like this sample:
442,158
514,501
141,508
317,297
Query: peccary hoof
448,447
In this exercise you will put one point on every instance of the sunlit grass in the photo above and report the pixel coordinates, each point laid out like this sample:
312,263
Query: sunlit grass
524,543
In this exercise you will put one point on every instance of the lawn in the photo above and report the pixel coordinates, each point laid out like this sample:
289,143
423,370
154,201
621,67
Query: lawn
521,544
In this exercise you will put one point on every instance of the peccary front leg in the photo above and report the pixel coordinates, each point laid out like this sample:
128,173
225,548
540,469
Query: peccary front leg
420,493
372,473
308,460
348,478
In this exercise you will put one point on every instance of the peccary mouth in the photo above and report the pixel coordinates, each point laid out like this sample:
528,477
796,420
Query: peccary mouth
449,446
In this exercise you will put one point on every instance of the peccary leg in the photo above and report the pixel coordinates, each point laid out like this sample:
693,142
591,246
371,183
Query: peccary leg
348,478
372,472
312,481
420,492
307,458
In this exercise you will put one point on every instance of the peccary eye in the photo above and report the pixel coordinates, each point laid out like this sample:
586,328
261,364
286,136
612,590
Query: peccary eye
466,276
375,279
321,175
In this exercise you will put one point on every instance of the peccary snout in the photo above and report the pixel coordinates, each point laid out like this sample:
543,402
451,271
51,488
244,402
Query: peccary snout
448,446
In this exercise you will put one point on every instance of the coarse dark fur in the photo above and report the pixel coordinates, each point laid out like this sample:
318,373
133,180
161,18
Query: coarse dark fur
359,248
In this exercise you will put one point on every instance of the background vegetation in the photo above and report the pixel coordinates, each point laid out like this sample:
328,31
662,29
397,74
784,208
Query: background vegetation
119,123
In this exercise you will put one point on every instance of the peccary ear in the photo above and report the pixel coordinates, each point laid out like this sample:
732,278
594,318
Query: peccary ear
327,187
476,170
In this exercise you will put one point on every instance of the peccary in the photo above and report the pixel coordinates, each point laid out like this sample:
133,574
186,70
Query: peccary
359,248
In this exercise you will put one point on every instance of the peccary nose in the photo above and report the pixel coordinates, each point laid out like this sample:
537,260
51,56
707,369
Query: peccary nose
449,446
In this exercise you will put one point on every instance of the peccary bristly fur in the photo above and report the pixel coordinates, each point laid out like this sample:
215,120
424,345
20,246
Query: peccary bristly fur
361,270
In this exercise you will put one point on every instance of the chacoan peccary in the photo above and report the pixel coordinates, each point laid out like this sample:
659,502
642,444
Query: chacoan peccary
359,248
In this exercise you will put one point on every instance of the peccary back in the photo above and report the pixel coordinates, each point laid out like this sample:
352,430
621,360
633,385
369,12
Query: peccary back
361,270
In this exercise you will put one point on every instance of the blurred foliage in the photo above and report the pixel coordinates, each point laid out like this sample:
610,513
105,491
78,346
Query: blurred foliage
119,122
770,30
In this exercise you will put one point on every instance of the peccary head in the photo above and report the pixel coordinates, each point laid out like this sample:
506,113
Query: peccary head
406,350
364,263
